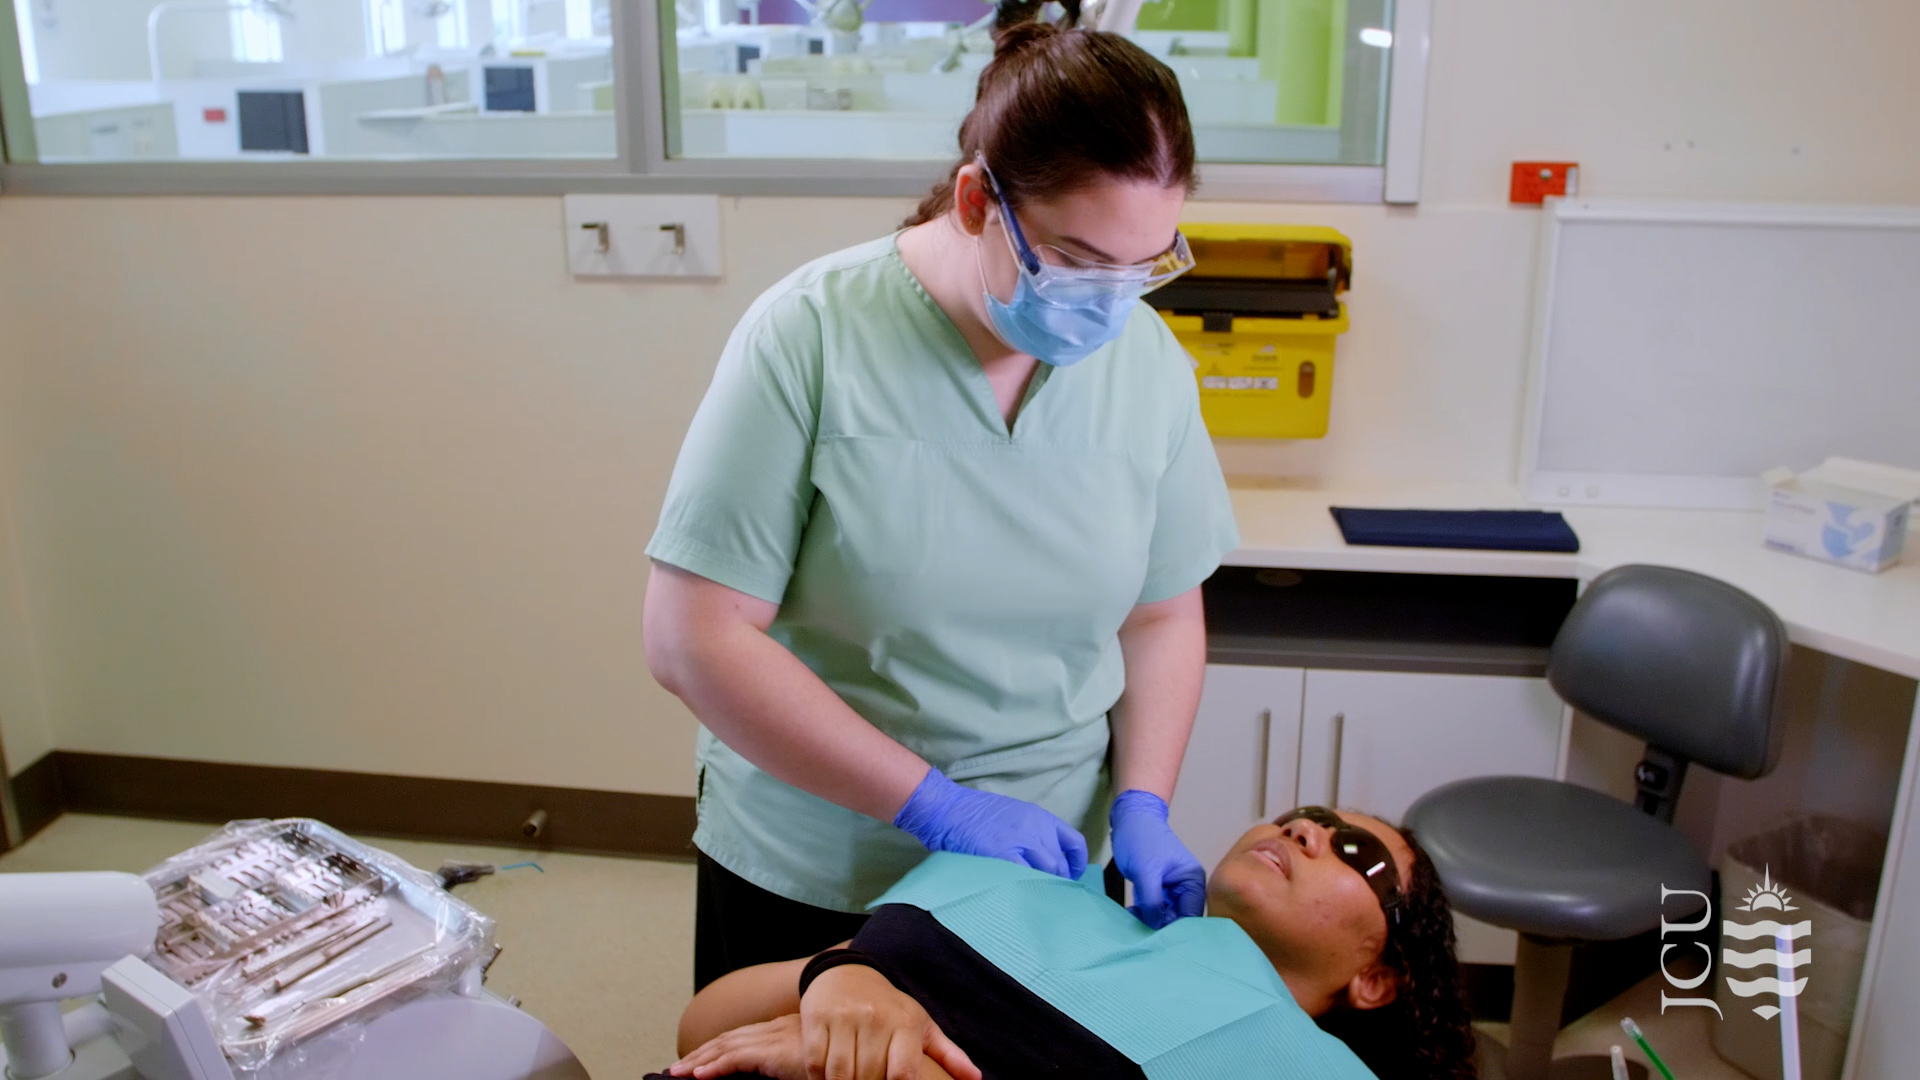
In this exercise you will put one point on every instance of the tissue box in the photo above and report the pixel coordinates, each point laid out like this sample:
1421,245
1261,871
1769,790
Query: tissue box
1849,512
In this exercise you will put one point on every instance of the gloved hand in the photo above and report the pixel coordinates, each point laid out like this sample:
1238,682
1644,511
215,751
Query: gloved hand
1168,882
948,817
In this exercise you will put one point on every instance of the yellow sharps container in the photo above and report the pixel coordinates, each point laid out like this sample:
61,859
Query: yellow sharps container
1259,313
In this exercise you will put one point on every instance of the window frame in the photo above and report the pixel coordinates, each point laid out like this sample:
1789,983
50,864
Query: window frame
641,164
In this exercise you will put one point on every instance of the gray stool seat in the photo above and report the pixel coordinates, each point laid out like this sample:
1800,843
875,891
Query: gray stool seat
1691,665
1552,859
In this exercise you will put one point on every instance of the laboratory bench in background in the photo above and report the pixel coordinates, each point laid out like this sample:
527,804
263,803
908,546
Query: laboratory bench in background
1367,676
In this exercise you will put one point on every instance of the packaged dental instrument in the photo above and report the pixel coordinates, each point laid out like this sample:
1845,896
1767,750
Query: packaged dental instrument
287,929
1849,512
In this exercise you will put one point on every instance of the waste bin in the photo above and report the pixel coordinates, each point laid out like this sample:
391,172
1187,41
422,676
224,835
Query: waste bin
1829,870
1258,316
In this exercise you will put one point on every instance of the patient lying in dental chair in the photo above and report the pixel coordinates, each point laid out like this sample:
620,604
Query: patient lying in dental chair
1327,954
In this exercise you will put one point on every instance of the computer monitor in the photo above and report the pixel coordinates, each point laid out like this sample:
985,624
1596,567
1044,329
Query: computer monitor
273,120
510,89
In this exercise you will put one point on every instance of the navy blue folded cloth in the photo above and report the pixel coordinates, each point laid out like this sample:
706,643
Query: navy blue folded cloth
1491,530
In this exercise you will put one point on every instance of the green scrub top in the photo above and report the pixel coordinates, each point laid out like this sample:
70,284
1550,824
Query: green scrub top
959,585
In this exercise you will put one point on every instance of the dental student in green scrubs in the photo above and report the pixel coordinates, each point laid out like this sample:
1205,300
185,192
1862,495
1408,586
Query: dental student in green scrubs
928,571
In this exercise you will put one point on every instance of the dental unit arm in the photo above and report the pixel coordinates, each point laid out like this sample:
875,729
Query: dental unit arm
275,951
64,936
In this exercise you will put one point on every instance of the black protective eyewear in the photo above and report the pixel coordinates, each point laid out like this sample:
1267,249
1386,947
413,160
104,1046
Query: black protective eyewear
1360,849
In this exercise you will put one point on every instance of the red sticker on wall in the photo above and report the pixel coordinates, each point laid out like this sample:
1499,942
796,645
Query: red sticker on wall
214,116
1533,181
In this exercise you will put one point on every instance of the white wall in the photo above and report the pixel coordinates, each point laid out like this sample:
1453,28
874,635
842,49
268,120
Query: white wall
1725,99
107,39
364,483
326,32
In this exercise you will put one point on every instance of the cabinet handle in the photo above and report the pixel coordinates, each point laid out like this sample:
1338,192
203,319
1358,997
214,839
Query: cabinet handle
1260,768
1339,743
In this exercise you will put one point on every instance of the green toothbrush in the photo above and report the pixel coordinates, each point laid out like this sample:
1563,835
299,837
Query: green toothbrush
1633,1031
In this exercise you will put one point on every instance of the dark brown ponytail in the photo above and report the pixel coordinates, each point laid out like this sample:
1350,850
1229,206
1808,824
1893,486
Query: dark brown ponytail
1059,108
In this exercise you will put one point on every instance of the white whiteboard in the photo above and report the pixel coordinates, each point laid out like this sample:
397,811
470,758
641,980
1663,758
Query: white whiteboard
1679,350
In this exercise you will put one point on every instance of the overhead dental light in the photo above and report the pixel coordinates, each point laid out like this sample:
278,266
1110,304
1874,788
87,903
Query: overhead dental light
278,9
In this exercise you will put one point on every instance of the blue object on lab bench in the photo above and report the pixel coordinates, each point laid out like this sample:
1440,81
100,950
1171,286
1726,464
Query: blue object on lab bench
1490,530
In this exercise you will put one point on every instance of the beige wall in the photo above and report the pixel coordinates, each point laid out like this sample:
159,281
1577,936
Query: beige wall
364,483
370,494
24,734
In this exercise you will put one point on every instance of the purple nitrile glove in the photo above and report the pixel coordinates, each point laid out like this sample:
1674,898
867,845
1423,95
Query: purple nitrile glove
1168,882
948,817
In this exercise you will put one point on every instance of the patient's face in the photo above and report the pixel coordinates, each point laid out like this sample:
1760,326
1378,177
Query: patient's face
1314,916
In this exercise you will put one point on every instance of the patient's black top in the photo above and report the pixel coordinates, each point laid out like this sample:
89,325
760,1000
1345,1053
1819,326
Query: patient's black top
1007,1030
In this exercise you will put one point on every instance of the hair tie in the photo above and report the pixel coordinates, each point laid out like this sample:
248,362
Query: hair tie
831,959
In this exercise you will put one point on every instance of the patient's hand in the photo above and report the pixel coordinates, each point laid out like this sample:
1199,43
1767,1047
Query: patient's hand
773,1049
856,1026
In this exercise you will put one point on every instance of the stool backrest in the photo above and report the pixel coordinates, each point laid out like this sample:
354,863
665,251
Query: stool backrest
1687,662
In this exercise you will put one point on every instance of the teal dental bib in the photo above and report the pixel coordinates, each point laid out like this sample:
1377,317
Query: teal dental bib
1196,1000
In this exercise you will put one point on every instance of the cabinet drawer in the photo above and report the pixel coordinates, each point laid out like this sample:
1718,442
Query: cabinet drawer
1266,739
1376,741
1240,763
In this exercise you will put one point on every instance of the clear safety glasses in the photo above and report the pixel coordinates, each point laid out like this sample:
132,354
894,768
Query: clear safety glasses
1048,265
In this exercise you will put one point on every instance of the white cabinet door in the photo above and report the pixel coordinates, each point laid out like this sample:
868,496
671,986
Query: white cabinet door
1239,767
1377,741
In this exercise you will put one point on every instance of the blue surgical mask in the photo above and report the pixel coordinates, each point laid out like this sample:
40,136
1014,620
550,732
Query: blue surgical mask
1059,329
1063,311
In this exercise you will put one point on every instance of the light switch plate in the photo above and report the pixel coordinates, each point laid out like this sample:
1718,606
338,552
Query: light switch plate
640,237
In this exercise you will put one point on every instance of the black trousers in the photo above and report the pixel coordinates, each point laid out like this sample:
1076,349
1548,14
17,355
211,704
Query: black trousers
738,924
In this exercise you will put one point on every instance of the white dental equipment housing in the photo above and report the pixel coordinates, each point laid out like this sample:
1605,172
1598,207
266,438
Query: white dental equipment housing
265,929
59,933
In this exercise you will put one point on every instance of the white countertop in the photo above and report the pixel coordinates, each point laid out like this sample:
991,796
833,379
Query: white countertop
1873,619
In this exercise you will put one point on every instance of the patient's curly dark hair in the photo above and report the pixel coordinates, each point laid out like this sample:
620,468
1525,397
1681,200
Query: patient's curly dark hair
1426,1033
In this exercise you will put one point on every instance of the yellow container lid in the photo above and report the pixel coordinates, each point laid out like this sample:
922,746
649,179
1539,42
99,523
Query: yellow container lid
1305,326
1271,252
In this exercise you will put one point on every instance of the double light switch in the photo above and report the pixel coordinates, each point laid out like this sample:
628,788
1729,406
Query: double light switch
643,236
